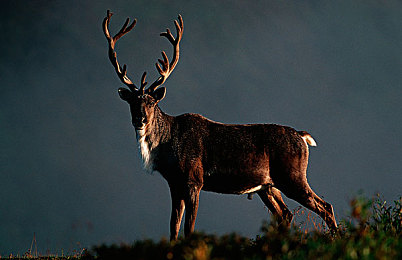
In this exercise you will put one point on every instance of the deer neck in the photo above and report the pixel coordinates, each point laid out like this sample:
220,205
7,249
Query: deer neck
152,135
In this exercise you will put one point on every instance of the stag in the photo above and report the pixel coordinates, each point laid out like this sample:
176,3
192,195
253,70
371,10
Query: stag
194,153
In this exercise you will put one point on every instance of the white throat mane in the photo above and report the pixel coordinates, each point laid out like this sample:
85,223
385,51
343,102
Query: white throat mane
145,149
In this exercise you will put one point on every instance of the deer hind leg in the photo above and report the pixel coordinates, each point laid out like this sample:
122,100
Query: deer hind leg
303,194
288,216
273,200
327,212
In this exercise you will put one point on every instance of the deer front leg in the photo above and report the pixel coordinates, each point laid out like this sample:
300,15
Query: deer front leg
177,213
191,202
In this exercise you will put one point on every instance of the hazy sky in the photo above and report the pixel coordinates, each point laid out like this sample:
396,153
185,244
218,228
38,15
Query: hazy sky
70,170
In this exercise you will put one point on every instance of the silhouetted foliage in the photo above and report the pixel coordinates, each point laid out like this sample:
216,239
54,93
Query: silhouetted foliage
373,231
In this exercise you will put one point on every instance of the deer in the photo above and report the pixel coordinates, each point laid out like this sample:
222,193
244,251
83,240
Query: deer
193,153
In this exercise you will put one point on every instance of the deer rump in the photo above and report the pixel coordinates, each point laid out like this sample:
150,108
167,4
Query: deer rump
229,158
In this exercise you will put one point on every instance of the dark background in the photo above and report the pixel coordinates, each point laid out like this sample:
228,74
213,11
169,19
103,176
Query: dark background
70,170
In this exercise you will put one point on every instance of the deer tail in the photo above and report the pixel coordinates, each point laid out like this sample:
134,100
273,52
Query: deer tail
307,138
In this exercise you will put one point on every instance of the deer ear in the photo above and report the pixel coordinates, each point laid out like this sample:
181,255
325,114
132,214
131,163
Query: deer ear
125,94
159,94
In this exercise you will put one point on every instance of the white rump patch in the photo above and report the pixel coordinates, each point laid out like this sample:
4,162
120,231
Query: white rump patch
309,140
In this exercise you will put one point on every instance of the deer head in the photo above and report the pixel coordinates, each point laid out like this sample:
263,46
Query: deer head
143,101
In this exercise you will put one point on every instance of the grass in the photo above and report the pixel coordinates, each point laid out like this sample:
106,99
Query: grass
373,231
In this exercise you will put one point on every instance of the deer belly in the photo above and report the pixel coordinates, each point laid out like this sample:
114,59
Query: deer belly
251,190
236,183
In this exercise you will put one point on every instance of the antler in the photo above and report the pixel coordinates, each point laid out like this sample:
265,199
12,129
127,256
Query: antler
167,67
121,72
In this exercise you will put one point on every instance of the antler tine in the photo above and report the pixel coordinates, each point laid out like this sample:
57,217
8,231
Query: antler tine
143,82
121,72
167,67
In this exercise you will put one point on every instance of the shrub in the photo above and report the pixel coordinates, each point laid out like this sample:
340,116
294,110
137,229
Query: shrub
373,231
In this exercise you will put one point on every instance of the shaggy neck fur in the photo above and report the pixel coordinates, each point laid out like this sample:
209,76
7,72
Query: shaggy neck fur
155,132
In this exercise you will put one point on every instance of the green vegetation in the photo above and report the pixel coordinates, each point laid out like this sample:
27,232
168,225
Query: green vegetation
373,231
